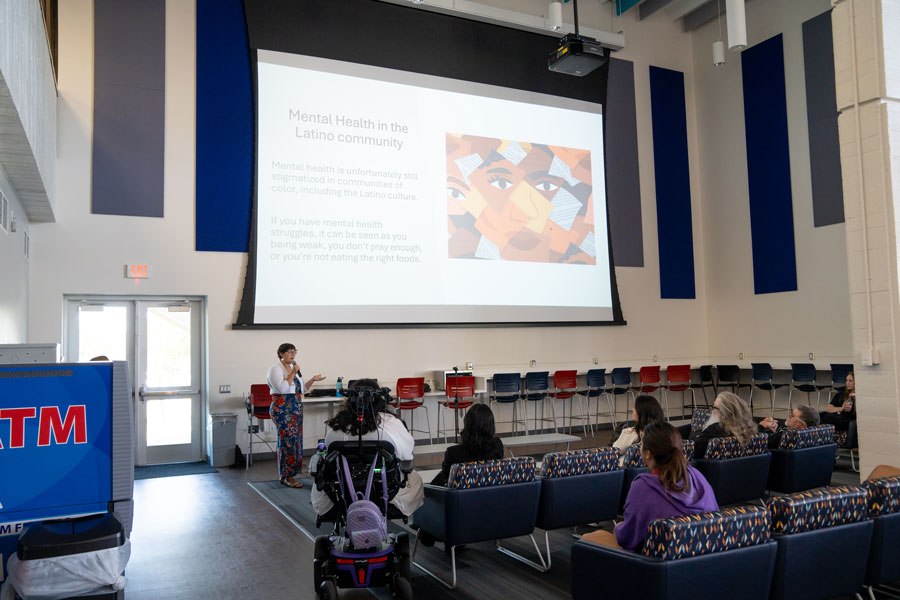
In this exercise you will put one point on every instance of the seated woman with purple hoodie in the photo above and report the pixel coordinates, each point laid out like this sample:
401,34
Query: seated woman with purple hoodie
672,488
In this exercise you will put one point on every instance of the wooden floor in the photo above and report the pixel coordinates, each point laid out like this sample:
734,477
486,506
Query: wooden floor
212,536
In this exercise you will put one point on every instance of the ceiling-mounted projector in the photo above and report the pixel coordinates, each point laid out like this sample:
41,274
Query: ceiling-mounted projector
577,55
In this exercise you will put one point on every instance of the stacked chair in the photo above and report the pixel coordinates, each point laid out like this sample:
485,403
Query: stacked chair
803,460
724,554
736,473
823,539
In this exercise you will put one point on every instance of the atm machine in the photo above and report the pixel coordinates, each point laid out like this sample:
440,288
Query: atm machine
66,447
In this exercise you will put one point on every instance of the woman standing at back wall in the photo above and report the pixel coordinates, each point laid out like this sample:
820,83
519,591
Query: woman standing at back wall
287,387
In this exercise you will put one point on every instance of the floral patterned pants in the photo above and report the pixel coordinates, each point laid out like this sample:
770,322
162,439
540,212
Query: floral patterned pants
287,414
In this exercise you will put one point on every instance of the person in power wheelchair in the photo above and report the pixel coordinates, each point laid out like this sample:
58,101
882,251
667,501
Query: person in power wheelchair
368,458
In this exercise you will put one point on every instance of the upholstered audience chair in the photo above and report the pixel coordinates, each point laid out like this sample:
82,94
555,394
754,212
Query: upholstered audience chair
803,460
884,557
736,473
823,541
578,487
724,554
484,500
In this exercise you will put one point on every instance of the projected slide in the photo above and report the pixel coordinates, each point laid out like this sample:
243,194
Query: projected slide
391,197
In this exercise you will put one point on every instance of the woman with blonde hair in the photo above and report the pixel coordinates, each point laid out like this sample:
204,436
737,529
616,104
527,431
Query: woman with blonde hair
730,417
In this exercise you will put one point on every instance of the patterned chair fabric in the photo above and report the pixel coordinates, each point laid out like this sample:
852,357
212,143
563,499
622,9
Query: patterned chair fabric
633,459
841,437
692,535
795,439
817,509
699,418
580,462
723,448
486,473
884,495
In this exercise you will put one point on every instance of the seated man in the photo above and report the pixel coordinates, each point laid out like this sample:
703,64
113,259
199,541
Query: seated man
800,418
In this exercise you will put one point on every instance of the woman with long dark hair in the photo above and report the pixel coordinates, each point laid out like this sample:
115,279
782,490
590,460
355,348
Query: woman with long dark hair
672,488
841,411
646,410
287,388
478,442
376,424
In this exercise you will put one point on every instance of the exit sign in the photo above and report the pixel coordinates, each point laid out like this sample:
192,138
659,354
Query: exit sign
137,271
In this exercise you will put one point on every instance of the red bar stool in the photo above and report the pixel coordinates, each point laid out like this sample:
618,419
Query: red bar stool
258,403
462,387
648,379
566,384
410,396
678,379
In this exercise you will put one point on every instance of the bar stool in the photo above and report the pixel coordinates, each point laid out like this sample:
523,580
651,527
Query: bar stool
762,380
621,384
678,379
537,388
596,387
507,390
803,379
566,388
411,396
462,387
706,380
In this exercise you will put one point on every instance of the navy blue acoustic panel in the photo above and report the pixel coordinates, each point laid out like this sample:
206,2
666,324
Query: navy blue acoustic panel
822,118
769,168
673,184
127,168
623,174
225,127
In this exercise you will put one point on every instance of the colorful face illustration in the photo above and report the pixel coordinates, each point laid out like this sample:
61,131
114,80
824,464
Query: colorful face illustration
518,201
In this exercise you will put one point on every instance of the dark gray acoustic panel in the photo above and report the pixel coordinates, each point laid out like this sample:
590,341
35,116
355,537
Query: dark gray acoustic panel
822,118
623,175
127,172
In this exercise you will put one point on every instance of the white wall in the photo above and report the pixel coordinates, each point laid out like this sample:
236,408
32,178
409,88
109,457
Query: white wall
782,327
84,254
13,273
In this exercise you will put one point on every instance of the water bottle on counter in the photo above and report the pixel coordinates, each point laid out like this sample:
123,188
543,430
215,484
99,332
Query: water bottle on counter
338,386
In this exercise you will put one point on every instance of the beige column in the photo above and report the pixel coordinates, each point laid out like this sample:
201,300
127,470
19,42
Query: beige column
867,81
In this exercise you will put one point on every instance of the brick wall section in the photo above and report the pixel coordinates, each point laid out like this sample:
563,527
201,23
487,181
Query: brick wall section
878,78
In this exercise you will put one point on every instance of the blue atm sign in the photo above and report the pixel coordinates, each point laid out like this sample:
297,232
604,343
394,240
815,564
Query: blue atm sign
55,440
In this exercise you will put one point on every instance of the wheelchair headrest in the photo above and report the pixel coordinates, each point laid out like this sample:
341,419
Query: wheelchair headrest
884,495
692,535
817,509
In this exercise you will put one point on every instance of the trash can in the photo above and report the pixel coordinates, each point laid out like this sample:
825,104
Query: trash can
221,432
71,558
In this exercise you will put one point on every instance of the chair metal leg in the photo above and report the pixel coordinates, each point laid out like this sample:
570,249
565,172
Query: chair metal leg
666,401
612,411
543,567
449,586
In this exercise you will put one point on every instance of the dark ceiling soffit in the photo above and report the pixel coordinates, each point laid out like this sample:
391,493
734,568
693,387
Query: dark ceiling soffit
704,14
649,7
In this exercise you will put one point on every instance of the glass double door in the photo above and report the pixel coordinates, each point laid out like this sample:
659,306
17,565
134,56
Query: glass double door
162,340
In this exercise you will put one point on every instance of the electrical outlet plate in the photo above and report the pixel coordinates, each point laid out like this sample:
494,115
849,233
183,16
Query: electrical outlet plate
654,358
470,365
596,360
224,389
812,356
741,355
533,363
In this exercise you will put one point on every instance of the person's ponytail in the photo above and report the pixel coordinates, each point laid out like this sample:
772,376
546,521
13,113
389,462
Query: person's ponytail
664,443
